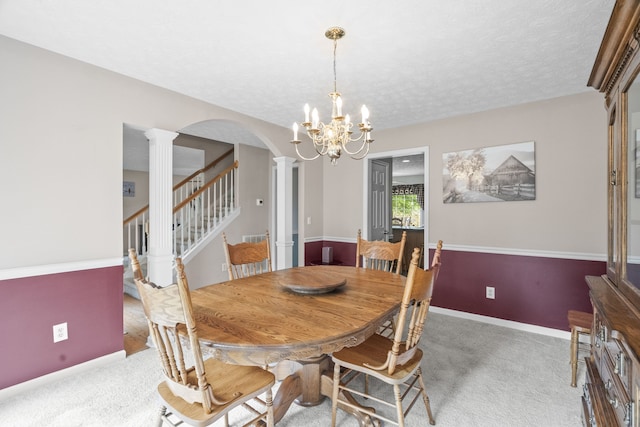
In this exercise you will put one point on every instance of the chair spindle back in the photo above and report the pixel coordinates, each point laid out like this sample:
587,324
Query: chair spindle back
247,258
380,255
413,310
168,311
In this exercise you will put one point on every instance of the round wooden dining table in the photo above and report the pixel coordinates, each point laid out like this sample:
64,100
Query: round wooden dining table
292,319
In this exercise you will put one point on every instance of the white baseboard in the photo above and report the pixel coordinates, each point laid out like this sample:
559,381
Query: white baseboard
506,323
14,390
41,270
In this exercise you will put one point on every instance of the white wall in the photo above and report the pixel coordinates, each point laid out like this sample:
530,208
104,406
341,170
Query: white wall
569,213
61,155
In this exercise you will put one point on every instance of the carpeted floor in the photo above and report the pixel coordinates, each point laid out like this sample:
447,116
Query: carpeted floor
476,374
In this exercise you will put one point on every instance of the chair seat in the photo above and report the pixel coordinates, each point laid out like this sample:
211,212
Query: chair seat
580,320
248,381
373,352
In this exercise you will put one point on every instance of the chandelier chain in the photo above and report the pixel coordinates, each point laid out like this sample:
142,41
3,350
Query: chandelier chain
335,78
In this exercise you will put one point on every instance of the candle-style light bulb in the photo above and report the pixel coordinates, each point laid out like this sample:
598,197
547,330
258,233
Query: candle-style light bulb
295,131
306,113
315,119
347,120
339,106
365,115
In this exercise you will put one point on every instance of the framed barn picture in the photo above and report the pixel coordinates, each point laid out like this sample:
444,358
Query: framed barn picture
490,174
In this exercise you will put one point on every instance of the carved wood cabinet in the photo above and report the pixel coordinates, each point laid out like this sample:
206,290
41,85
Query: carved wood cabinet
612,387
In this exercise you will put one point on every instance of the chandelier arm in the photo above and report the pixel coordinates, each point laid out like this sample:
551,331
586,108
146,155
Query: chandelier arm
322,149
364,143
320,146
306,158
365,152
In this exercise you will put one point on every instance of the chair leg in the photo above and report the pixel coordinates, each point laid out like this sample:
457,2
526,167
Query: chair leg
425,397
334,393
398,397
574,355
269,403
366,384
163,411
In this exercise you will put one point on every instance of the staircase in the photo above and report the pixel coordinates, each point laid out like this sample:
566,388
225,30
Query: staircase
202,209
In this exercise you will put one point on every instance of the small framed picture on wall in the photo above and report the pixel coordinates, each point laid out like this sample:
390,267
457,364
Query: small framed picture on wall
128,189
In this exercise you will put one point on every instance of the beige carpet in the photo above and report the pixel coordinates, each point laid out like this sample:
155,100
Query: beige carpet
477,375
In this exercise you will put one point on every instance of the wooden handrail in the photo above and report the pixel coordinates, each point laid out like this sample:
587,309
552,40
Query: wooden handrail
184,181
132,217
205,187
206,168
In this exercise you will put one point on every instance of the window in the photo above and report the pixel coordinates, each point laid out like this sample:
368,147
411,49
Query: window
407,203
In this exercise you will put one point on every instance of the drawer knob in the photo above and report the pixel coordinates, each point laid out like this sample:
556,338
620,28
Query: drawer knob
628,414
614,402
619,365
585,393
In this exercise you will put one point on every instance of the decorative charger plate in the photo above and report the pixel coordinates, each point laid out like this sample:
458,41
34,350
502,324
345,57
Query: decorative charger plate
311,287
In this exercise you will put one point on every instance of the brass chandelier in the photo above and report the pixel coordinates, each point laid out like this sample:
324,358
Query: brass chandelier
333,138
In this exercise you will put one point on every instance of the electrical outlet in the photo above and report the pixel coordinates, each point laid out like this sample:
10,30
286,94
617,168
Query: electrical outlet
491,292
224,266
60,332
308,220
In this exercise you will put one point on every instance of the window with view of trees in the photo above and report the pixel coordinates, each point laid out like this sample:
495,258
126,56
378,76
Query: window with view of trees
407,205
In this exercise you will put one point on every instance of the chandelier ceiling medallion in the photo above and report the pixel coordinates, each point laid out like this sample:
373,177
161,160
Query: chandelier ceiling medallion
332,138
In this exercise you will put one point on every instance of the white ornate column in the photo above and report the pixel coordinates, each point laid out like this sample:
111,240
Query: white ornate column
284,212
160,256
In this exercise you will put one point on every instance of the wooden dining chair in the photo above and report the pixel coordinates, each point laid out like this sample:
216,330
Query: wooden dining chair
437,254
380,255
137,270
203,393
395,361
247,258
580,324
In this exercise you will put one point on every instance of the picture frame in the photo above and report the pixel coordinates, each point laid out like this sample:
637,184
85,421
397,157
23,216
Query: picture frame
128,189
490,174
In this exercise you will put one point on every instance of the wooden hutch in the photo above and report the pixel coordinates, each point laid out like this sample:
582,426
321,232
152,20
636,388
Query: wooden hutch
612,388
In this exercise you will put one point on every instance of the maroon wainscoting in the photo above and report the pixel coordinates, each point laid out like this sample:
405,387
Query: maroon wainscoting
90,301
344,253
532,290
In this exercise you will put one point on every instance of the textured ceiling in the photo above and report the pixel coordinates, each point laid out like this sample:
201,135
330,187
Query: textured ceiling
409,61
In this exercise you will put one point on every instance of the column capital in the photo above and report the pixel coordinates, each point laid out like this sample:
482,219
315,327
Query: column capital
155,134
285,160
